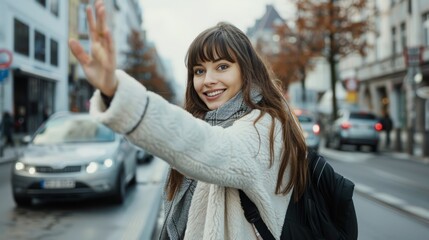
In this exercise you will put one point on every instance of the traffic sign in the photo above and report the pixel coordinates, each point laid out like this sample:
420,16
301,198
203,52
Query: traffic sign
4,73
6,58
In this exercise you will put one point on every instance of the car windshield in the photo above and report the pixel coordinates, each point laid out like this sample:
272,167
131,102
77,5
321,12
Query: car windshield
72,130
305,119
364,116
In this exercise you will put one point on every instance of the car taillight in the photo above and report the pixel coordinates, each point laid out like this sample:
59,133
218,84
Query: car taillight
316,129
346,125
378,127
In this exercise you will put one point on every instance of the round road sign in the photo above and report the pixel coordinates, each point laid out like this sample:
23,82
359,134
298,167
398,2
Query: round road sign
5,54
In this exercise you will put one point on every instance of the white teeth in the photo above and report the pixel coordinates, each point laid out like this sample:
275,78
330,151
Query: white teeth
211,94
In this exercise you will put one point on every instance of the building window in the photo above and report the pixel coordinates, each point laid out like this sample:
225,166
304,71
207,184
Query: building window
21,37
403,35
54,52
55,7
82,25
42,2
39,46
394,41
425,21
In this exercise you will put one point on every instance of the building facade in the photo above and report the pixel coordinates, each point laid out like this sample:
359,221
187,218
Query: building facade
37,36
399,53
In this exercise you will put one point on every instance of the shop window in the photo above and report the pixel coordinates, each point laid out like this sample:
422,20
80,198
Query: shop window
55,7
39,46
21,37
54,52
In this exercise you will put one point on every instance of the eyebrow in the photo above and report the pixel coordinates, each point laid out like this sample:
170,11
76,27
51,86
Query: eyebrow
214,61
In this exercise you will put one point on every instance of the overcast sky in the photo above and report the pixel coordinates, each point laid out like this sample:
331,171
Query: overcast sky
173,24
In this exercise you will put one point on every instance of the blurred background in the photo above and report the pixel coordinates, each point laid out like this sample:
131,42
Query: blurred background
356,72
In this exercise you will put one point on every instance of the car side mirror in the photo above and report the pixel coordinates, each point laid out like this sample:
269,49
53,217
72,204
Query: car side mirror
26,139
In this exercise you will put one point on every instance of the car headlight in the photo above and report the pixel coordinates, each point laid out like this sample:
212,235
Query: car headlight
93,167
21,167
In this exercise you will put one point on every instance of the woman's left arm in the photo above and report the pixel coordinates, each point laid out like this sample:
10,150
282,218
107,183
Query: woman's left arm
211,154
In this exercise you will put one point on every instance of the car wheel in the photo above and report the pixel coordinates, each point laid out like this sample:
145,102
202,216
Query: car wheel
120,190
327,145
337,143
22,201
374,148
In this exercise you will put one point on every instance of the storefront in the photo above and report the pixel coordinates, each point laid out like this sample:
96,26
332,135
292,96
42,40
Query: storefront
33,97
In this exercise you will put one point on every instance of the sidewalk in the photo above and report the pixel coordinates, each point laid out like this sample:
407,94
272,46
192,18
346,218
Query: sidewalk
403,155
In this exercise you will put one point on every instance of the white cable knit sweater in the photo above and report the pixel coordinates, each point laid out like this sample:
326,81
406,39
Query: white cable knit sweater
221,159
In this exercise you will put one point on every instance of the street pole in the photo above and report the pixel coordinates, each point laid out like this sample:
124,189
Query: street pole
413,60
423,92
426,135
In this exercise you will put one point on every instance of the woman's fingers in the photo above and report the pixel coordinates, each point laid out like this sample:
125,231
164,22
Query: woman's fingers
79,53
109,43
91,24
101,17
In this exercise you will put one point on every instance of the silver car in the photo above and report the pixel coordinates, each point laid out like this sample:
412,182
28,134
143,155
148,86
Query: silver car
71,156
354,128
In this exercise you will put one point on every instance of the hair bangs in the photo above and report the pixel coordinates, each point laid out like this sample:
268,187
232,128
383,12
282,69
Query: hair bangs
209,47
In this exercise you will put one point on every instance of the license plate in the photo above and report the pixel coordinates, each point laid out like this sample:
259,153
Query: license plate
60,183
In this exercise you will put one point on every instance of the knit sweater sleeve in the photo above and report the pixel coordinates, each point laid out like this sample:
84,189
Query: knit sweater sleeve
226,157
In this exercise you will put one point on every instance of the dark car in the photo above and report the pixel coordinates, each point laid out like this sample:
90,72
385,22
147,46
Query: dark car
73,156
357,128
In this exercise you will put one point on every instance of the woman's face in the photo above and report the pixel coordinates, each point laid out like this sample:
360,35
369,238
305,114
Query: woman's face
217,82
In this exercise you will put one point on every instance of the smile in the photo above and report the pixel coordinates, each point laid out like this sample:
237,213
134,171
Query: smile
214,93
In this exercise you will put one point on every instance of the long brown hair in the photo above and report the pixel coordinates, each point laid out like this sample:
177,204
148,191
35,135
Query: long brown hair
228,42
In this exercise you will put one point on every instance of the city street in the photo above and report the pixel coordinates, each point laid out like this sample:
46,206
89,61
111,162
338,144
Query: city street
391,200
391,194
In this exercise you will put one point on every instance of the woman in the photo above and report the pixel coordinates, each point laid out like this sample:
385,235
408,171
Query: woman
238,131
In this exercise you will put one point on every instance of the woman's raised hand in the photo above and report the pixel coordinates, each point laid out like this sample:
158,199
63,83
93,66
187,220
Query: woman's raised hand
99,66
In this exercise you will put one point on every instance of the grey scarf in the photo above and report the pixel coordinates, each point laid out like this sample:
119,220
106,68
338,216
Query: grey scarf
176,211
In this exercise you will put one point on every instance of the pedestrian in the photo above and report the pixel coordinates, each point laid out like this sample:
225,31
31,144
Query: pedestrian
7,129
387,124
237,131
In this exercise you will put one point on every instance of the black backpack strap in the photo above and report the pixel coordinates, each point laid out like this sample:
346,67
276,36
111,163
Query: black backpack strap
252,215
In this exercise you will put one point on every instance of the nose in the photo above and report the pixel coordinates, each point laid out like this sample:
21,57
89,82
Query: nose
210,78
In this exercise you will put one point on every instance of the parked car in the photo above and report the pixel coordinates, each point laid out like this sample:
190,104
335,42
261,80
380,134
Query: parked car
357,128
310,127
71,156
